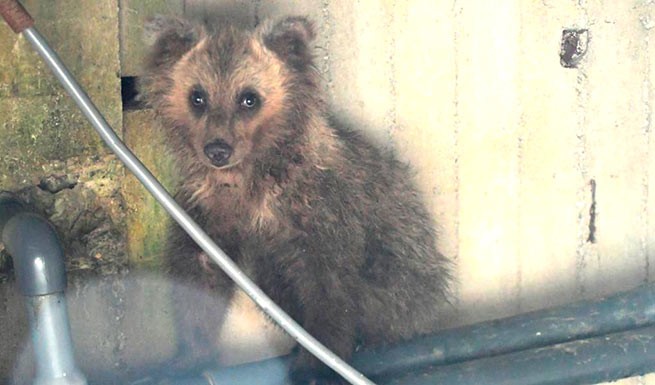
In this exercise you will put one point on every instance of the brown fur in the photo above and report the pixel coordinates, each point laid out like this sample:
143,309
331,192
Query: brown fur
331,228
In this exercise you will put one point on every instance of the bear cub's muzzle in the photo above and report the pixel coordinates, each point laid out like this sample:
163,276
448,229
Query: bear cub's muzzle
218,152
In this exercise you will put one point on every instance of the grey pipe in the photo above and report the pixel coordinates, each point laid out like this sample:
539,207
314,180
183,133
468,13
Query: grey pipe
588,361
180,216
40,272
632,310
51,338
592,318
37,255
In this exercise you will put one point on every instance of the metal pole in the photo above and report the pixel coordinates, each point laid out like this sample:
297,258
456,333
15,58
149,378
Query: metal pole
11,10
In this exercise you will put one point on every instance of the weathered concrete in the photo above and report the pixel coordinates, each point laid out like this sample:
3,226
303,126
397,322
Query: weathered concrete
40,123
133,14
147,221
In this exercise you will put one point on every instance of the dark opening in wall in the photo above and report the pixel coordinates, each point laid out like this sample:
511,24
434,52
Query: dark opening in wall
130,94
573,47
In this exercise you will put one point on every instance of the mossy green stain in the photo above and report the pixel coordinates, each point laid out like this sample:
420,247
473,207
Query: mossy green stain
147,222
41,123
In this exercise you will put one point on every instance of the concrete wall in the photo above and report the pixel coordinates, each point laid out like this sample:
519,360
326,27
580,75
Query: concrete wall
507,142
539,176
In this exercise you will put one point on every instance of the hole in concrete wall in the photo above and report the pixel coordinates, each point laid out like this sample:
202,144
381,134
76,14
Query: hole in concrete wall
130,94
573,47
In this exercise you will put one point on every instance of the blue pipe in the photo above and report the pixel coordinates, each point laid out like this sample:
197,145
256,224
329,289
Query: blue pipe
41,275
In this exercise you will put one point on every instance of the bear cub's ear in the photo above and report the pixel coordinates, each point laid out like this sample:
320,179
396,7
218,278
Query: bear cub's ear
289,39
168,39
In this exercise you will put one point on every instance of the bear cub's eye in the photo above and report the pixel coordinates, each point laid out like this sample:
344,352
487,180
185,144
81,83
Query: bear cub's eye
249,100
198,99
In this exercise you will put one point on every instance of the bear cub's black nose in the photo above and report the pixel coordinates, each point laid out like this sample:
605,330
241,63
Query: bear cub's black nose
218,152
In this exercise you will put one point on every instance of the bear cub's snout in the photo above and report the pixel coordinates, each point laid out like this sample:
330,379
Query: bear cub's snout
218,152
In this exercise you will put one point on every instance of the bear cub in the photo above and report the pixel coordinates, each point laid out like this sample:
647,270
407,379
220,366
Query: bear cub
331,228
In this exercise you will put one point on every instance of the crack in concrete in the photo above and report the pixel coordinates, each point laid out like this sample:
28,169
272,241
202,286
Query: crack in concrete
582,252
592,212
